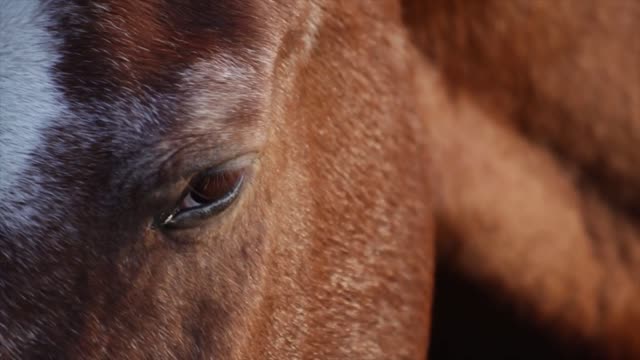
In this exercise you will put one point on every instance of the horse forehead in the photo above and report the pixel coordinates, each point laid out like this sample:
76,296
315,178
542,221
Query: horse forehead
71,75
117,45
30,101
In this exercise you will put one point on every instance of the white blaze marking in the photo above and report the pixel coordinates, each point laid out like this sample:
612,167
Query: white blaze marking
29,100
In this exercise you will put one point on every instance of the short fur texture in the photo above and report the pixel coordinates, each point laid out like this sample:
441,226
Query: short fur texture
516,120
326,254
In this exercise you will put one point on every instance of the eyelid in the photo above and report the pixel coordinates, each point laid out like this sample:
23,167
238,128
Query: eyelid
240,162
244,161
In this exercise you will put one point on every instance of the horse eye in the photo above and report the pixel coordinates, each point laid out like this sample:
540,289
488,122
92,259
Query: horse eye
206,195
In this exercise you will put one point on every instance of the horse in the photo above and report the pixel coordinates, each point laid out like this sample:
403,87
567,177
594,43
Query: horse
211,179
531,136
274,180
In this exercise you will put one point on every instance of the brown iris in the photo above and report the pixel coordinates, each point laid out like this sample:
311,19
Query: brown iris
207,194
213,187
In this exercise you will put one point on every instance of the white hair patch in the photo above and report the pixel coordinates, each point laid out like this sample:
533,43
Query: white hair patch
29,100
